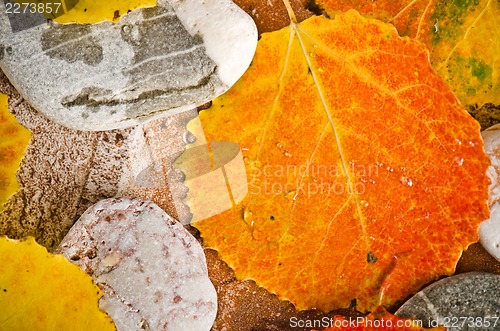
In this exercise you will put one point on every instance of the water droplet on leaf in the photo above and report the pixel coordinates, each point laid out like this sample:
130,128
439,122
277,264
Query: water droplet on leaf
247,216
406,181
188,137
292,195
459,160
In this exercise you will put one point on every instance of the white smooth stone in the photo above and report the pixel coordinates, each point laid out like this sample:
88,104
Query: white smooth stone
489,230
151,270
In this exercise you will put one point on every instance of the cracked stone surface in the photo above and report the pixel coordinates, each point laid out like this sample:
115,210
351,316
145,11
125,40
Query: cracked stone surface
152,271
489,231
473,295
156,61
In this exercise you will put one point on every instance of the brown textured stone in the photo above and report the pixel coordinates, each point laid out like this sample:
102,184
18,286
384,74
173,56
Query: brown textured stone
62,173
149,173
475,258
271,15
244,306
66,171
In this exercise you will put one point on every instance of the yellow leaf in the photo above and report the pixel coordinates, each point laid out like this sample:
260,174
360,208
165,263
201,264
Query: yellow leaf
465,49
462,37
42,291
95,11
13,141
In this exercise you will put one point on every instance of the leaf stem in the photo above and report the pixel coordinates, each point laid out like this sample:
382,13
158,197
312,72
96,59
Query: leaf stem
290,11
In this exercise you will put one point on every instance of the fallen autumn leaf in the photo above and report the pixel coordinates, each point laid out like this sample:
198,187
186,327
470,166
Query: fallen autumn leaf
13,141
355,149
462,37
42,291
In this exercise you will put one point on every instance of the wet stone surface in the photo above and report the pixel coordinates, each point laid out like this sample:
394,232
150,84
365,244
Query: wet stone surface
115,75
467,301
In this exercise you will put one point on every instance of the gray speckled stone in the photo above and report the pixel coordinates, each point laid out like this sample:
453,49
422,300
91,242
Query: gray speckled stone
470,295
155,61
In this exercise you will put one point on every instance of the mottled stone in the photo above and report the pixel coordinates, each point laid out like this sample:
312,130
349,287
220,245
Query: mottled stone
89,51
489,231
154,62
152,271
471,295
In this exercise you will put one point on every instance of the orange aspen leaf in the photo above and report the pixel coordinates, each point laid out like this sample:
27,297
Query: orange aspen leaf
367,178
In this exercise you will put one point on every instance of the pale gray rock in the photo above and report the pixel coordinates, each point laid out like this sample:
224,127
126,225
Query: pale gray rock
154,62
152,271
489,231
467,301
